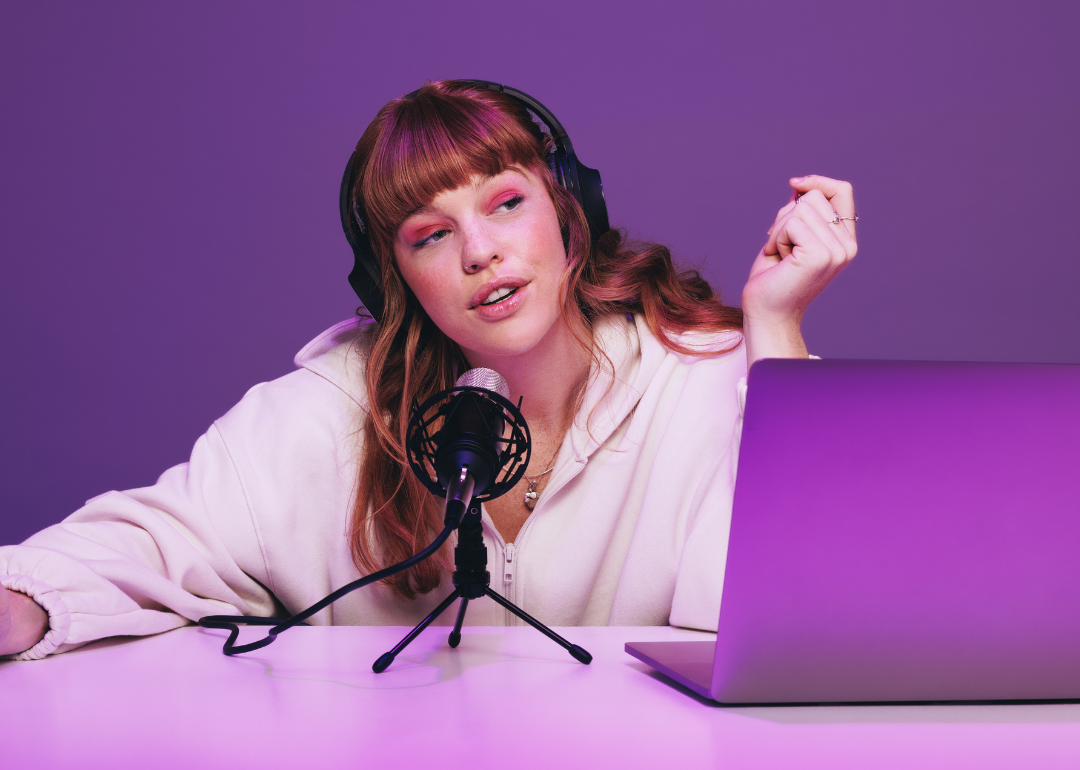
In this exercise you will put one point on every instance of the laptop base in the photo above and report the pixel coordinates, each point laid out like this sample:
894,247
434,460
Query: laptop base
688,663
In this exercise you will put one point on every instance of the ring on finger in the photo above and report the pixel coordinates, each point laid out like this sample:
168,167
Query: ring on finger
837,219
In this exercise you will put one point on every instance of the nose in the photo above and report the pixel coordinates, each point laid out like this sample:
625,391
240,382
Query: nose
480,249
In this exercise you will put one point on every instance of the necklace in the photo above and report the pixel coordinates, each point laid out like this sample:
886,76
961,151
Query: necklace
531,495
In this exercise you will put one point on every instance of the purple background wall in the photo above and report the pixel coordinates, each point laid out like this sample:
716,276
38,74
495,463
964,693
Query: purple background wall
168,182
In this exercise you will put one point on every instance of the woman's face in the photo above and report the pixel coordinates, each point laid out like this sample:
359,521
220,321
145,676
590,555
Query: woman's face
486,262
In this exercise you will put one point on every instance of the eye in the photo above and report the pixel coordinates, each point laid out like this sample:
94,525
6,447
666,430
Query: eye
511,203
435,237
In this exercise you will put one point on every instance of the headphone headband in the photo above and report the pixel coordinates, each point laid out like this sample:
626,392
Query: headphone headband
579,180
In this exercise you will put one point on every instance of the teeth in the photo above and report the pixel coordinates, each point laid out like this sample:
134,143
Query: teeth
498,294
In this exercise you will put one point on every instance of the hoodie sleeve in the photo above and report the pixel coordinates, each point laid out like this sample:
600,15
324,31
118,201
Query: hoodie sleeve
270,483
700,580
146,560
700,583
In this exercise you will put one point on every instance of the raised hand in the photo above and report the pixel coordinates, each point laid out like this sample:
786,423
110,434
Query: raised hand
811,241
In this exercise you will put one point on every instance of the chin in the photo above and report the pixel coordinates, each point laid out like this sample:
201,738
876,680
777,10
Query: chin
501,347
509,339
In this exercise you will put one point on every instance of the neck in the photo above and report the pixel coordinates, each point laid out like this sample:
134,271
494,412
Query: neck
549,378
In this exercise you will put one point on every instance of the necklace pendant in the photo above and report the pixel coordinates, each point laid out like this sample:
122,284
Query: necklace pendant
531,495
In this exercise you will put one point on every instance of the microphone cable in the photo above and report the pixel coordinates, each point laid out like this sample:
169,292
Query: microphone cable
231,623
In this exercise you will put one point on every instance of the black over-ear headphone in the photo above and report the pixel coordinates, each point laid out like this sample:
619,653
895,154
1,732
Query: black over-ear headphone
581,181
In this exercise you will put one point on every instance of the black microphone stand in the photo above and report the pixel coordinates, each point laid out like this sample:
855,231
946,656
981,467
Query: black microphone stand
447,445
473,581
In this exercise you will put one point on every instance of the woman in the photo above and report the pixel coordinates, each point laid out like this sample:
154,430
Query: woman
629,374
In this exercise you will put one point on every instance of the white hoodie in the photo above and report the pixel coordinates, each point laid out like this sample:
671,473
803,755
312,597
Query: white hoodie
631,528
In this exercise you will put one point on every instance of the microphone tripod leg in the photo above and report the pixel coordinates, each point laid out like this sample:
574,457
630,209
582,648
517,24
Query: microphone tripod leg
455,635
386,659
579,653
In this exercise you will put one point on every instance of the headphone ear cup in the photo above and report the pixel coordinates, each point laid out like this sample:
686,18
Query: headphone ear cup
584,184
592,200
363,278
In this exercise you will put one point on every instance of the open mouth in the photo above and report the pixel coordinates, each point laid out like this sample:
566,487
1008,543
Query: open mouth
499,295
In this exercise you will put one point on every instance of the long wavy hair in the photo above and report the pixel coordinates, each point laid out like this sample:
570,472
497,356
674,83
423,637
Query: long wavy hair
417,147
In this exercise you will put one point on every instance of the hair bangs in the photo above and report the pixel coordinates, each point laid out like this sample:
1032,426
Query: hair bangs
438,140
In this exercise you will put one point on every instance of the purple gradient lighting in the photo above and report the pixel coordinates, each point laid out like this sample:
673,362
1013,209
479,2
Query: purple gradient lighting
169,172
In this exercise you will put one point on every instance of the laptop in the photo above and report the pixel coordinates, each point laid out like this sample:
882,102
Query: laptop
901,531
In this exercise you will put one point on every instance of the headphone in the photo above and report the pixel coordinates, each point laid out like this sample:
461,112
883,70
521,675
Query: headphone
579,180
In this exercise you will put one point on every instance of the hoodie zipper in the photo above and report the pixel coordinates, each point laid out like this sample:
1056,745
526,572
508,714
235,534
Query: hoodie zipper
509,565
510,550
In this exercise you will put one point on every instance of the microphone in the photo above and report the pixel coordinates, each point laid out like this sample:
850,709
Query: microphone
467,453
469,442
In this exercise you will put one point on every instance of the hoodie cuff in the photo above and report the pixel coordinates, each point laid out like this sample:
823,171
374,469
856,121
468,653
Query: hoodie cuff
49,600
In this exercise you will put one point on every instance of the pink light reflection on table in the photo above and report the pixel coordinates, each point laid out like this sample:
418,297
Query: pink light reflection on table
506,698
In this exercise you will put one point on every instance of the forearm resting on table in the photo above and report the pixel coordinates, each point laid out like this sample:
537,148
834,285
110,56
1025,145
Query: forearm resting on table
27,627
769,338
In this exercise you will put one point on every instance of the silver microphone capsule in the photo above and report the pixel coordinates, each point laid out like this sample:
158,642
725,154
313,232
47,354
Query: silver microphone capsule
488,379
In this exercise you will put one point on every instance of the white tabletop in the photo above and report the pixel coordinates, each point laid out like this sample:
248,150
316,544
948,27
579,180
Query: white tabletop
506,698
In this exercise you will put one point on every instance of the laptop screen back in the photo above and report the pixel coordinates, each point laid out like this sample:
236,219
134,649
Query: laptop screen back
904,531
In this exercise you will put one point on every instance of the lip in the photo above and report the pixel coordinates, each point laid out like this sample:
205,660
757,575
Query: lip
498,282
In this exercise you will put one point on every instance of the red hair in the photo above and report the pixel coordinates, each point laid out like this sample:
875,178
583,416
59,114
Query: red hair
414,149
